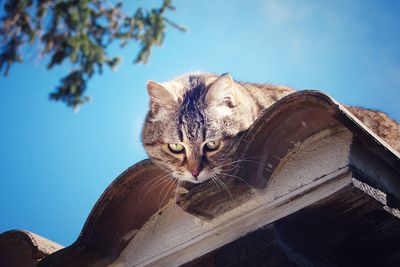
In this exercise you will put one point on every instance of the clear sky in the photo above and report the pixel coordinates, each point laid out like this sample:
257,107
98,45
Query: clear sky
55,164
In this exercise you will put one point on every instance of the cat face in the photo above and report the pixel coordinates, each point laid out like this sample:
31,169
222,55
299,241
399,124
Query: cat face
192,126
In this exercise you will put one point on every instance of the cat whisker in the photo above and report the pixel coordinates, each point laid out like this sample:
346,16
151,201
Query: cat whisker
247,159
234,164
225,187
152,182
254,157
227,170
176,189
171,187
156,178
160,207
168,187
252,161
216,184
155,184
237,177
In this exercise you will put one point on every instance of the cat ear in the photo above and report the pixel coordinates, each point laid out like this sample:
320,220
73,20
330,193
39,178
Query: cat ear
159,96
222,91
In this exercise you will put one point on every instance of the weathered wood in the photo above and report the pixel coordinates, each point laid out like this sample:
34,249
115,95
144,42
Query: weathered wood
19,248
373,170
348,228
259,248
277,132
211,236
210,200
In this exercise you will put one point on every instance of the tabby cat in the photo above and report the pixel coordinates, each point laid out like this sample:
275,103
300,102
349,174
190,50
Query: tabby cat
195,120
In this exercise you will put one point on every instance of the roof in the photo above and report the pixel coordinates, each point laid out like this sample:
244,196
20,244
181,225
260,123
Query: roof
305,152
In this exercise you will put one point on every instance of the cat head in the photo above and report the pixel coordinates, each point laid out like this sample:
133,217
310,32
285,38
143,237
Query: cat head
193,124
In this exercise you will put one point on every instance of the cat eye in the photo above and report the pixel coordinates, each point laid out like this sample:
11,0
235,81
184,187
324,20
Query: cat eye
176,148
213,145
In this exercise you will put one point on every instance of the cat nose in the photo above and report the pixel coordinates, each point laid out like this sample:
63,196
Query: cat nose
194,167
195,173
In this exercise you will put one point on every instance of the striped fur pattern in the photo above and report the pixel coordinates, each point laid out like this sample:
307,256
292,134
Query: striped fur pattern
197,108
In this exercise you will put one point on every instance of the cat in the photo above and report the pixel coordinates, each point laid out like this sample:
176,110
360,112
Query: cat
195,121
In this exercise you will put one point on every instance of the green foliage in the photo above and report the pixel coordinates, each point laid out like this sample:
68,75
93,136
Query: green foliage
78,33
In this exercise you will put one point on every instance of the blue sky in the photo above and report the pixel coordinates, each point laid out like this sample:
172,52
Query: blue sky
56,163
